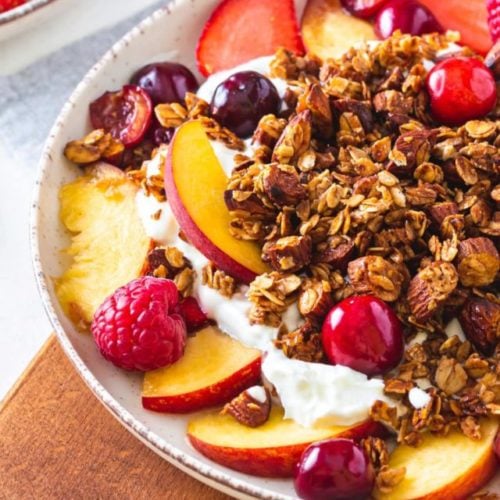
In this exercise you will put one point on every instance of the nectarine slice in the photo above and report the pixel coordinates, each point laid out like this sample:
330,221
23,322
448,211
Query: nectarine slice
108,242
444,467
214,369
195,183
328,31
271,450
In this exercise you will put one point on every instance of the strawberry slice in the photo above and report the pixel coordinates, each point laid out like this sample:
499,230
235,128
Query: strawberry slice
469,17
493,7
240,30
6,5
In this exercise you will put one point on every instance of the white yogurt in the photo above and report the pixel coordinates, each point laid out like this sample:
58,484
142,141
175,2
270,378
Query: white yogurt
258,393
311,393
157,218
319,394
226,155
418,398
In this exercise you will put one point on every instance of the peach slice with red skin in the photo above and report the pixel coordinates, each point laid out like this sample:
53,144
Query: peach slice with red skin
271,450
444,467
214,369
195,183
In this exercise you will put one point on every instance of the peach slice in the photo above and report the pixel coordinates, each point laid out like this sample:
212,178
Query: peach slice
328,31
271,450
108,242
444,467
214,369
195,183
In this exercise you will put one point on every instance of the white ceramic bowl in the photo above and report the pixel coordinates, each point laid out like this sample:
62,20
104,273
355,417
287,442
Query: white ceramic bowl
170,33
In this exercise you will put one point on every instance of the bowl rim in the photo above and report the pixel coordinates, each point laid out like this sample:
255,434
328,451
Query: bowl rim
22,10
223,481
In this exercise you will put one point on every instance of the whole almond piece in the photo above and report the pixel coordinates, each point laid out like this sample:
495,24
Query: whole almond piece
337,253
251,407
430,288
480,320
290,253
439,211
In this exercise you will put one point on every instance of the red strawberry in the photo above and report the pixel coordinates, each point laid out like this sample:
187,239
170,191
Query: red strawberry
6,5
493,7
240,30
469,17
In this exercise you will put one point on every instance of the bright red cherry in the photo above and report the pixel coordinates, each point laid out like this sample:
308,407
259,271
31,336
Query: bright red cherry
461,89
364,334
408,16
362,8
336,468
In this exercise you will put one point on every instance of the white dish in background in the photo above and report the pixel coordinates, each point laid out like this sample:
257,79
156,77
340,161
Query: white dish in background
28,15
171,33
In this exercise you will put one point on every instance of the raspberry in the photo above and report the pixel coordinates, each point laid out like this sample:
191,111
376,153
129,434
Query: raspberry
139,326
493,7
193,315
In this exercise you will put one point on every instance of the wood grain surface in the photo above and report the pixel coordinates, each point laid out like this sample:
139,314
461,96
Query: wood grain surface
58,442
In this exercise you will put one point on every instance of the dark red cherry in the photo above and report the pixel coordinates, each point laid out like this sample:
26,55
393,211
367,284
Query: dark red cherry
408,16
364,334
125,114
242,100
460,89
159,135
165,81
336,468
162,135
362,8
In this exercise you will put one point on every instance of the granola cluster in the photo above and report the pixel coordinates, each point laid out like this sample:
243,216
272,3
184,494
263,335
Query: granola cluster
355,189
170,263
463,386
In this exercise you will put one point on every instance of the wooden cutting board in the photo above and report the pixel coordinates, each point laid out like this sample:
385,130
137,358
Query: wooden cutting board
58,442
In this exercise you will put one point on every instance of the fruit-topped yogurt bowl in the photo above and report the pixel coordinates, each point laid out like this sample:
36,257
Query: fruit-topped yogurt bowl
300,254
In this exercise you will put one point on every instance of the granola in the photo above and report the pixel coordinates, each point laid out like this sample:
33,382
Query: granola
355,189
361,191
